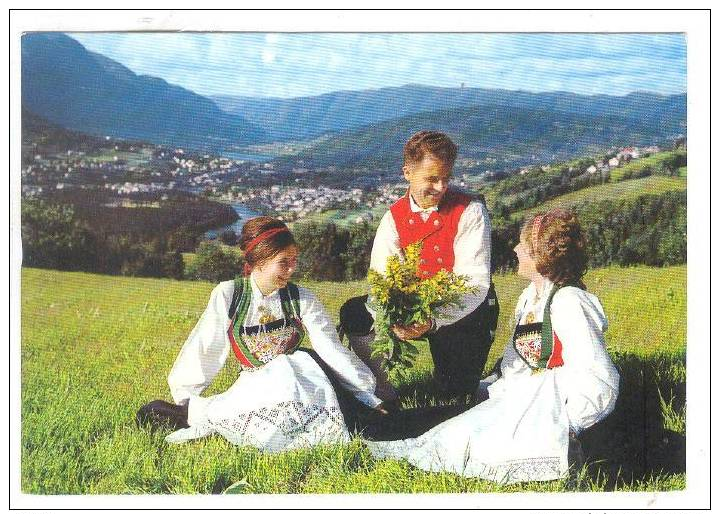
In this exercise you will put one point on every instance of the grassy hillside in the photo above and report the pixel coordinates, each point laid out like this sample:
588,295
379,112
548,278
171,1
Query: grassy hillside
657,163
625,190
524,191
94,348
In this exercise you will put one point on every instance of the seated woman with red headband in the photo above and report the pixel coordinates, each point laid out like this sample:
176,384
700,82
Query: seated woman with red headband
285,396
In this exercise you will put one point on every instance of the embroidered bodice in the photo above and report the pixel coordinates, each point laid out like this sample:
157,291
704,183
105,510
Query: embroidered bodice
257,345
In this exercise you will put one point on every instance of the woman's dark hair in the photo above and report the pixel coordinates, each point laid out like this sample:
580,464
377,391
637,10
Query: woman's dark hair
429,143
264,248
557,244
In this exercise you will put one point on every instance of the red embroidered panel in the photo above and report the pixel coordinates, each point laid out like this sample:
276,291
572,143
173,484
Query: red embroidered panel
437,233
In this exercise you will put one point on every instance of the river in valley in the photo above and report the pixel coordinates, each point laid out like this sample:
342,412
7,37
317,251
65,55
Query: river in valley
243,213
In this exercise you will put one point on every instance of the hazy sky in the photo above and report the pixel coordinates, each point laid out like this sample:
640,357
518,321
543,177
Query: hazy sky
291,65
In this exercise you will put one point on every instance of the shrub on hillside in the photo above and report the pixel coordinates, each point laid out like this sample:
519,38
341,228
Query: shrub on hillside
673,162
357,255
214,263
672,248
173,265
183,239
143,259
630,172
52,237
322,251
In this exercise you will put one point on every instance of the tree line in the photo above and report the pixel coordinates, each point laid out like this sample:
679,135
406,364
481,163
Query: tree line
53,236
650,229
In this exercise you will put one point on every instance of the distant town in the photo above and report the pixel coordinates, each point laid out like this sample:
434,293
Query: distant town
140,173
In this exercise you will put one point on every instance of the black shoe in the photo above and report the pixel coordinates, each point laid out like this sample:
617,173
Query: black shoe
159,413
576,457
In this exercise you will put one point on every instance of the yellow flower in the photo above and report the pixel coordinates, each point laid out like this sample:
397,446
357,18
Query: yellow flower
400,294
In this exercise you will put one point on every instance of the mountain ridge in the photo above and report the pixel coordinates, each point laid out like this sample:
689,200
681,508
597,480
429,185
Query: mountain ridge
309,117
521,135
86,91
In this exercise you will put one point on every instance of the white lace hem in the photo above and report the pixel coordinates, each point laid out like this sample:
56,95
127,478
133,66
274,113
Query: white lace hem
285,426
430,458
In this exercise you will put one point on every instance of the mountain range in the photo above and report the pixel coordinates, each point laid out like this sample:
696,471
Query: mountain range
85,91
310,117
508,137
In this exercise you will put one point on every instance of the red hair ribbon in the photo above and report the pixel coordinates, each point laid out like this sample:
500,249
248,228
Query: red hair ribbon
262,237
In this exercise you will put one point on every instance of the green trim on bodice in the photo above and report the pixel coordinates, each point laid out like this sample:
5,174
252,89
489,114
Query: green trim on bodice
289,327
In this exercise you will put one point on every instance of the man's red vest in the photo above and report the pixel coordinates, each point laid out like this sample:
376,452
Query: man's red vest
437,233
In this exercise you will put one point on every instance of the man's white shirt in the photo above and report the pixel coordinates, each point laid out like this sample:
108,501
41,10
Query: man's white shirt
471,248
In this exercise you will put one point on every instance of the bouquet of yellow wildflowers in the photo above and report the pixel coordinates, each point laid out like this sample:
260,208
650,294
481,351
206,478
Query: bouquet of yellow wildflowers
401,297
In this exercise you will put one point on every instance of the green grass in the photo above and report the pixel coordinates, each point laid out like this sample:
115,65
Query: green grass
654,162
345,218
132,158
94,348
625,190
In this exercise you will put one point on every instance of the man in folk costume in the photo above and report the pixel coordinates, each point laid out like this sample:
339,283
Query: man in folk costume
455,231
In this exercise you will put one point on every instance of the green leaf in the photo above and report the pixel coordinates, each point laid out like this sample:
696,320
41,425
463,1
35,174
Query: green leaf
412,349
240,487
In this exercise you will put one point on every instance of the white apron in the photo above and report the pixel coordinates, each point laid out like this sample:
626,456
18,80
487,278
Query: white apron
287,403
519,436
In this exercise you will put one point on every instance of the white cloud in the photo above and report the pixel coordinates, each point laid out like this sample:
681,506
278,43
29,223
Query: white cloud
311,63
268,55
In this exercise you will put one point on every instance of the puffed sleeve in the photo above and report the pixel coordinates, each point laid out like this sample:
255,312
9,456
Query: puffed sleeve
472,259
385,244
354,375
205,350
587,377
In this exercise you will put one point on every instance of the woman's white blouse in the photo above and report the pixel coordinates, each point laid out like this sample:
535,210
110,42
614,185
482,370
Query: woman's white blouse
588,380
206,349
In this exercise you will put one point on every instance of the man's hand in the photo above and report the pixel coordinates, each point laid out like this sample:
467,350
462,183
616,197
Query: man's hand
411,331
388,407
